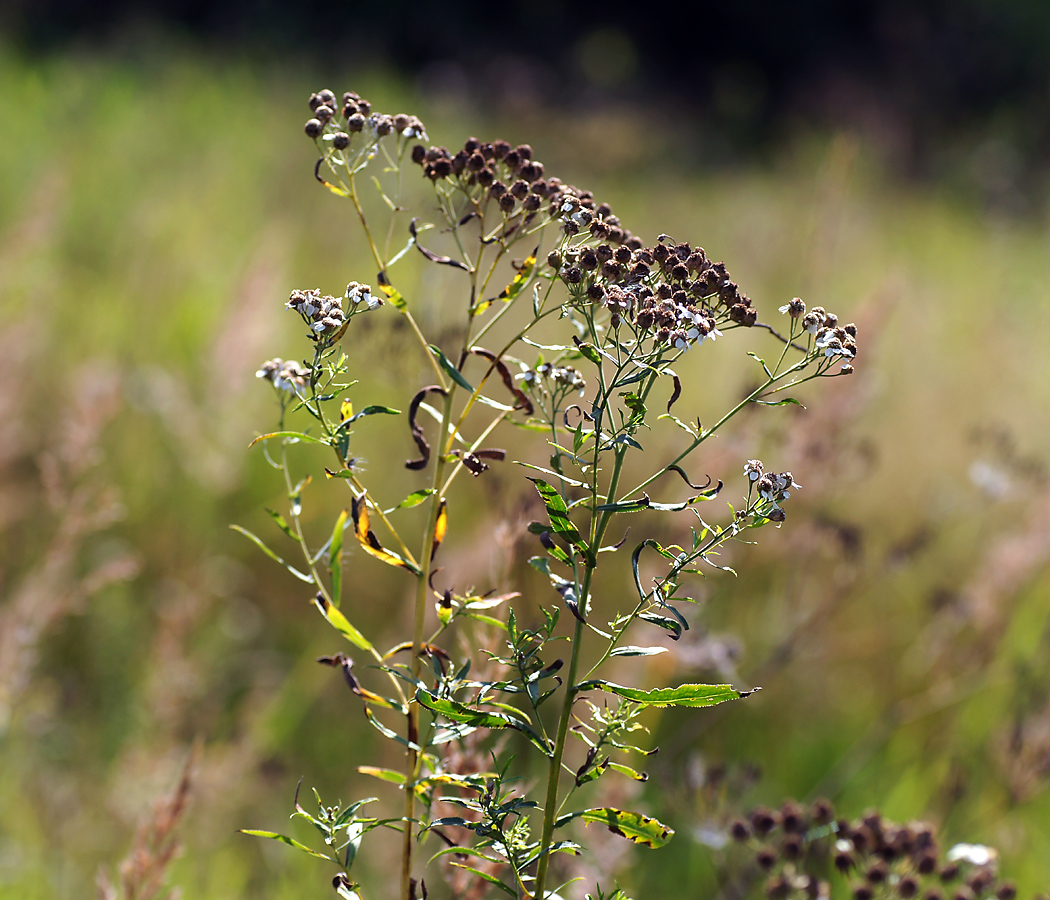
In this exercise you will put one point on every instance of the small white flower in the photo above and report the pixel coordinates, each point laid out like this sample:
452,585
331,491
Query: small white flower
753,469
834,348
318,327
975,854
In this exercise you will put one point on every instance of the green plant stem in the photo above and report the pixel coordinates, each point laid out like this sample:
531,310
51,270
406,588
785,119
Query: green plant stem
413,757
550,805
705,434
382,266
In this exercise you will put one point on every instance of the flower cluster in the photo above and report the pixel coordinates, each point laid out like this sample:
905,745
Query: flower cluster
324,314
495,170
563,376
357,293
670,293
885,859
772,487
824,330
284,374
356,116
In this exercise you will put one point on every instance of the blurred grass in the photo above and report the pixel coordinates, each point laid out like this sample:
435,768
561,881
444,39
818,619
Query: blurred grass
154,215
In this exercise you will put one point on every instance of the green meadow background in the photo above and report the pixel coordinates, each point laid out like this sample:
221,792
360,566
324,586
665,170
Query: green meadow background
154,216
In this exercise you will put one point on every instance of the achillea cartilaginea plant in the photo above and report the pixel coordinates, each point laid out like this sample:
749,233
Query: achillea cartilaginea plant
622,314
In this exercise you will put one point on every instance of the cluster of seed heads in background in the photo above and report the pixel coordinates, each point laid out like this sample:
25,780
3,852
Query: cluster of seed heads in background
557,378
799,849
357,116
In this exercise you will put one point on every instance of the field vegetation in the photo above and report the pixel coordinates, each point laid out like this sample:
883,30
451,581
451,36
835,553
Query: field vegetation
154,216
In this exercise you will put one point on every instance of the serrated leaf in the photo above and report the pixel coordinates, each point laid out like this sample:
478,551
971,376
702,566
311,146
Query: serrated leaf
477,718
695,696
284,839
635,827
558,513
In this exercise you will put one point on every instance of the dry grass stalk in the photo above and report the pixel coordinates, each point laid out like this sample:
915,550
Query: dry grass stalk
144,870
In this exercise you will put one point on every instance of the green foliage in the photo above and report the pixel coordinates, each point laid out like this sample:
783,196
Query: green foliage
150,251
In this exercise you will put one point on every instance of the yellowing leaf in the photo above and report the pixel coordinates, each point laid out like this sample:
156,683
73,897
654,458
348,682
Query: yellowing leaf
440,527
636,827
370,543
390,291
524,273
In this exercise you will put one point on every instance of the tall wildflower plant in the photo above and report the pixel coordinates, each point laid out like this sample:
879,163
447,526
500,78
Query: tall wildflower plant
537,257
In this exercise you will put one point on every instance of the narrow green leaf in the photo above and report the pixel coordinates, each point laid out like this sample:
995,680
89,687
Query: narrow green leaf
284,839
679,423
297,435
633,826
691,695
491,879
383,774
335,557
557,475
488,620
589,352
629,772
282,524
761,362
476,718
452,371
258,543
787,401
371,411
341,624
413,499
392,294
637,651
558,514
